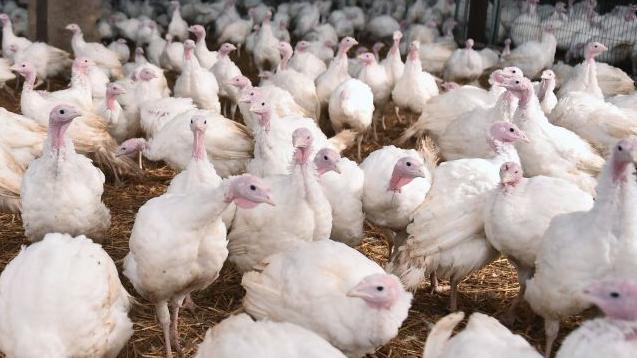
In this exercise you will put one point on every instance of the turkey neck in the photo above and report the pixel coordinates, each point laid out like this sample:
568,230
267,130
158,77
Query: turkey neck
529,110
29,81
615,205
265,150
395,47
110,101
198,146
315,198
56,136
506,106
546,86
7,29
413,66
77,40
504,152
203,207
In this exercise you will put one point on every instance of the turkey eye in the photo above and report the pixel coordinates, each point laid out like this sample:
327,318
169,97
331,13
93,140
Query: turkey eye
517,82
595,46
123,148
614,294
191,122
511,130
205,122
61,111
263,103
252,187
619,148
408,164
23,65
513,71
325,157
380,288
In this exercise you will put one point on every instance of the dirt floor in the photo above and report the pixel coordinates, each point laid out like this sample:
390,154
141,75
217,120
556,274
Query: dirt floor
489,291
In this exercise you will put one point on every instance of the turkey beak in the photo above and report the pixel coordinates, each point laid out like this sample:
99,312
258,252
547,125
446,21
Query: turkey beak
268,200
336,169
359,291
604,48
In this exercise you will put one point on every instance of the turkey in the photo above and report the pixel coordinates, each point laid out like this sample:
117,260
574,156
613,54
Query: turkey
22,138
554,291
609,336
545,93
62,297
446,233
241,336
172,57
120,47
552,150
336,72
177,27
393,64
178,245
533,56
62,190
306,62
47,60
11,44
265,52
224,70
89,132
300,86
206,57
526,27
11,174
314,283
236,32
584,77
154,114
197,82
518,213
119,126
396,183
375,77
259,233
414,88
443,109
106,59
351,105
280,100
342,182
464,136
464,65
482,337
227,143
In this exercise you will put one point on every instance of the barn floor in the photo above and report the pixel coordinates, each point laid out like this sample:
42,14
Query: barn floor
489,291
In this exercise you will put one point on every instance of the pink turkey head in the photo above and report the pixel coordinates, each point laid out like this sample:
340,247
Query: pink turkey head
198,126
548,75
226,48
593,49
198,31
521,88
249,95
379,291
24,68
469,44
302,46
240,82
60,119
247,191
405,170
507,46
114,89
82,65
397,35
623,154
414,49
346,44
367,58
327,160
507,132
510,175
285,49
131,146
189,48
4,18
302,141
616,298
262,110
74,28
147,74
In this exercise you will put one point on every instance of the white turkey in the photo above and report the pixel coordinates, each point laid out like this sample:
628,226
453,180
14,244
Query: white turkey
177,27
315,283
610,336
206,57
374,75
483,337
228,143
464,65
306,62
342,182
414,88
225,70
446,233
533,56
241,336
336,72
154,114
178,245
9,39
265,52
119,126
196,82
106,59
62,190
62,297
47,60
393,63
545,94
120,47
259,233
554,291
351,105
519,211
